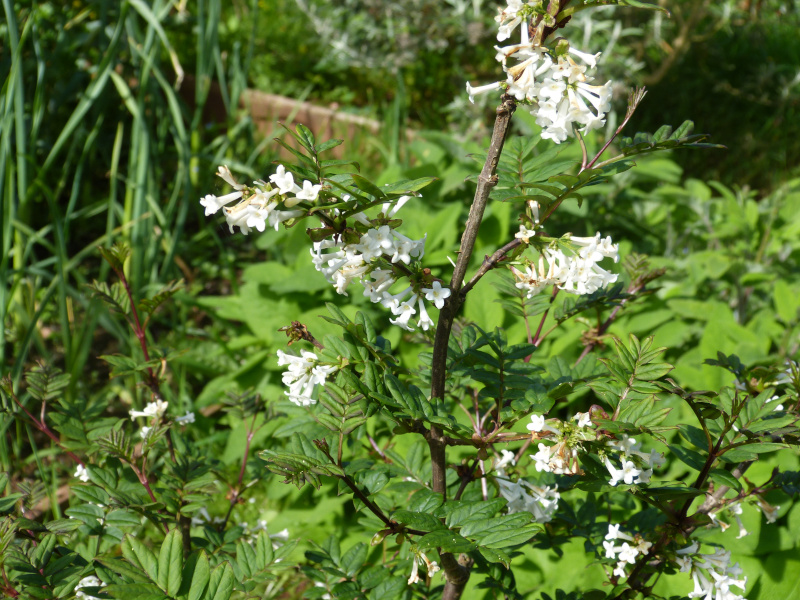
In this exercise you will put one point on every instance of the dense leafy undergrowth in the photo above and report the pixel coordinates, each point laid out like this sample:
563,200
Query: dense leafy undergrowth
143,395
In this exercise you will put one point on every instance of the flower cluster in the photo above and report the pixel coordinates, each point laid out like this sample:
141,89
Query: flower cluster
303,374
153,409
552,82
733,509
576,274
541,502
82,473
636,466
713,574
626,553
561,458
342,263
259,205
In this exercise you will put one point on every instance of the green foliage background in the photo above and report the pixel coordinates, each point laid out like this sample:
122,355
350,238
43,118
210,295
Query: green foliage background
97,147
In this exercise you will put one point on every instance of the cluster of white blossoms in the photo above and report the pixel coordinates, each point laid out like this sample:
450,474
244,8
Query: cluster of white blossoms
562,457
626,553
541,502
342,263
735,509
556,86
82,473
419,559
576,274
636,466
156,410
260,205
713,574
303,374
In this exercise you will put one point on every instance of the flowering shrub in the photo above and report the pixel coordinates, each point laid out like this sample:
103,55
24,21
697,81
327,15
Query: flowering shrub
456,465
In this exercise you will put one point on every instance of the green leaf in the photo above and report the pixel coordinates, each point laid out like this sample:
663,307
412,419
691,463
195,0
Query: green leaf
264,554
365,185
447,541
354,558
246,558
170,562
493,555
220,585
689,457
506,538
722,477
195,576
417,520
320,148
135,591
140,556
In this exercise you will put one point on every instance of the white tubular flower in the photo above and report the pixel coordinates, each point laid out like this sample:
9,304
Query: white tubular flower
186,419
309,193
616,474
535,207
619,571
542,458
436,294
611,549
392,301
533,281
405,248
584,420
685,563
239,215
627,445
483,89
589,59
418,559
425,322
594,248
390,210
303,374
153,409
541,502
722,583
770,512
373,243
627,553
213,203
382,281
224,173
736,510
82,473
702,586
539,424
145,432
525,234
506,458
404,312
284,180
